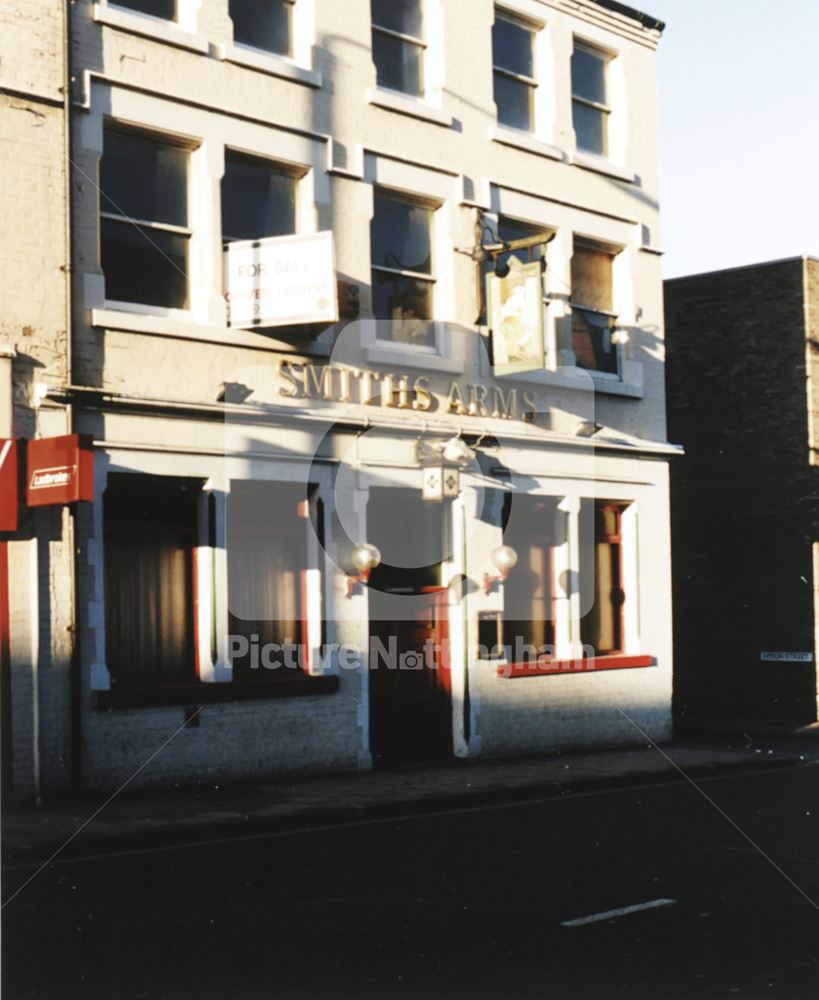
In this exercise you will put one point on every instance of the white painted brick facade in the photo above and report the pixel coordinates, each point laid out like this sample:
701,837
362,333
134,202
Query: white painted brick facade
173,80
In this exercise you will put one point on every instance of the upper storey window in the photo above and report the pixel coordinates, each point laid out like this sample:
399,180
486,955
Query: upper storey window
165,9
144,233
403,281
264,24
398,45
593,317
513,60
258,199
590,99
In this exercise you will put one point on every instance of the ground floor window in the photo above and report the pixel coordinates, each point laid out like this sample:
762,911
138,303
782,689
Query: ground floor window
528,621
150,533
601,542
267,549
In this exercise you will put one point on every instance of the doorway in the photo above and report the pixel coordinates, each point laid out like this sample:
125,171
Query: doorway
410,675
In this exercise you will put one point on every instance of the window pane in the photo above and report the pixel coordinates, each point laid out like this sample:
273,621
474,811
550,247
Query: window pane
407,302
398,64
515,102
404,16
257,199
527,608
592,342
400,235
511,229
264,24
512,47
149,538
592,277
602,627
590,127
144,179
158,8
589,76
144,265
267,562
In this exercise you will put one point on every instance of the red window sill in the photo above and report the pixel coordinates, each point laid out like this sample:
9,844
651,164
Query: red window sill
210,694
538,668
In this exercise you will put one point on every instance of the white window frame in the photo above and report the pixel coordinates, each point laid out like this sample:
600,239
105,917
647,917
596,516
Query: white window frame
605,109
540,138
530,81
430,279
296,174
296,67
567,222
181,32
189,147
441,191
566,563
210,594
210,134
419,42
615,251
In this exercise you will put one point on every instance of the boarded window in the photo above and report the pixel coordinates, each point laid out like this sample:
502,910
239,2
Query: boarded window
592,302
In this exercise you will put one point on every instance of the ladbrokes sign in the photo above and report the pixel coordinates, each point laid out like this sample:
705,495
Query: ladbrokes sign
59,470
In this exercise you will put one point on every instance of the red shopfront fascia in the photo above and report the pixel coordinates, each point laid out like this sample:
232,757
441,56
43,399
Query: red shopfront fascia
9,485
59,470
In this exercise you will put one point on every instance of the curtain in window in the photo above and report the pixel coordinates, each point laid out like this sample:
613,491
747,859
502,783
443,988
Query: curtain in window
267,565
149,539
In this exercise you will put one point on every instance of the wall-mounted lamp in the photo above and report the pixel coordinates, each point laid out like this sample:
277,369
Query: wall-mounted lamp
365,559
457,452
501,268
505,559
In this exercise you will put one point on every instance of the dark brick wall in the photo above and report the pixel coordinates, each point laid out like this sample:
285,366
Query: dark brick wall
744,496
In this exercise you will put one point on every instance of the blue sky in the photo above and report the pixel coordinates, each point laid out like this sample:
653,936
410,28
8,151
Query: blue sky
739,131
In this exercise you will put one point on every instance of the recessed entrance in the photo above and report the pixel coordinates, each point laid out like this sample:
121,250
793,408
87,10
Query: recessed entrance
410,689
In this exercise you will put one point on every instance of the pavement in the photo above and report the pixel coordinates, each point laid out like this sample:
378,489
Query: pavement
179,815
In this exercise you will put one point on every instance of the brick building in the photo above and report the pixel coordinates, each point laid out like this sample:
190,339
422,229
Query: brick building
34,354
743,400
241,469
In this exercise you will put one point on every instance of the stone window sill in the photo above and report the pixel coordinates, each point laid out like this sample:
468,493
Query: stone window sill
149,27
600,165
210,694
525,141
268,62
392,100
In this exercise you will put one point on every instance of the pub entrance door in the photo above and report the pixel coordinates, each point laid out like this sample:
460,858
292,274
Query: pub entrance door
409,679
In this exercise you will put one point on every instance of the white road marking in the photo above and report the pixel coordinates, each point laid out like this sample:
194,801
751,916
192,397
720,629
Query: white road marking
621,912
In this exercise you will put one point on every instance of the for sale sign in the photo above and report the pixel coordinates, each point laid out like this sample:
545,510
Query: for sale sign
281,281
